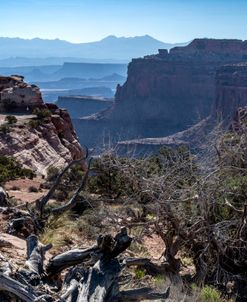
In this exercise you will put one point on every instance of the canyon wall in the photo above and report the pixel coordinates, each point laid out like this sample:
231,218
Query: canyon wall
229,112
164,93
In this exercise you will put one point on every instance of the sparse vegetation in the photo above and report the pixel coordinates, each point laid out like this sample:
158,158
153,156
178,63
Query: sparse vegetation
42,113
15,188
11,119
139,274
4,129
33,189
197,213
58,230
11,169
34,123
52,173
210,294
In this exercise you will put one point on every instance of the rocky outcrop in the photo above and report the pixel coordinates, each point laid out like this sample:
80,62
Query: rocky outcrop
212,50
39,143
165,93
18,96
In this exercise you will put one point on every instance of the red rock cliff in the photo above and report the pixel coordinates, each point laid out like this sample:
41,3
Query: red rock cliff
178,87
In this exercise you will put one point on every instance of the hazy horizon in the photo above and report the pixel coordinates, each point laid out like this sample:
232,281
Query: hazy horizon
81,21
98,40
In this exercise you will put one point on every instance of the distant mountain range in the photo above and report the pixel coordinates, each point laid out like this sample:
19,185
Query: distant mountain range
69,70
22,52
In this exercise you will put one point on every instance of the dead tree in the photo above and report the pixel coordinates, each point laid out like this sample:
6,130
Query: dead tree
41,203
94,275
74,199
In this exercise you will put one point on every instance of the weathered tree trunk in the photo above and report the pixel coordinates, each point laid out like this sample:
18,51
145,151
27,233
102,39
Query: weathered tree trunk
40,205
33,270
141,294
101,283
25,293
73,201
98,280
67,259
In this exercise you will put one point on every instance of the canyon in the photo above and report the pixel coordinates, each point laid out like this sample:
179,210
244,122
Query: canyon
165,93
168,99
187,94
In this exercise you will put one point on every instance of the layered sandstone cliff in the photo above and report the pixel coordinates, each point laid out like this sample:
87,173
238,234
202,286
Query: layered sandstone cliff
37,143
229,112
18,96
164,93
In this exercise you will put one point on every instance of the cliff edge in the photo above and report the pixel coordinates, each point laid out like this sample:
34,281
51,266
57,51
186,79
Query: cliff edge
38,135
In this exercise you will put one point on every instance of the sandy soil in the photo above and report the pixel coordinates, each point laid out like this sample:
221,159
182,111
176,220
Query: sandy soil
154,245
20,118
19,189
15,250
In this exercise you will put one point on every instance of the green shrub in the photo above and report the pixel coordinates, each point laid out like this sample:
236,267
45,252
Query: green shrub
209,294
4,129
116,176
42,113
139,273
33,189
15,188
11,119
11,169
52,173
159,280
33,123
109,178
60,195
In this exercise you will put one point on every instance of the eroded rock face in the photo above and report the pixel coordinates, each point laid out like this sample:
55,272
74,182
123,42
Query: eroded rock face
230,110
231,89
164,93
39,143
18,96
178,87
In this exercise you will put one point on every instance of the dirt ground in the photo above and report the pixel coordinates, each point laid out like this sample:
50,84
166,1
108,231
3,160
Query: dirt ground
19,189
20,118
154,245
15,250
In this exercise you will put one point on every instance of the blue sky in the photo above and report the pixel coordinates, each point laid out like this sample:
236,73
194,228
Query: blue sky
90,20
